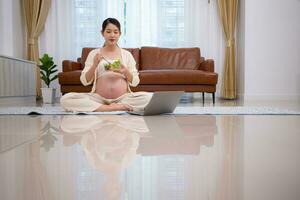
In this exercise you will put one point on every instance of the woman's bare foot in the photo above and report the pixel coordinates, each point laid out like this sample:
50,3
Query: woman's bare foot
120,107
114,107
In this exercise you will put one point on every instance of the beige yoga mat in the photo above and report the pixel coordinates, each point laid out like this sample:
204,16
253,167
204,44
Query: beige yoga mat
186,110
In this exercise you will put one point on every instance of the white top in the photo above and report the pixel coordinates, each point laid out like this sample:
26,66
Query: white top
126,59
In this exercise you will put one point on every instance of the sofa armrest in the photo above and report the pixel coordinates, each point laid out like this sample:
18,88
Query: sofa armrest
207,65
69,65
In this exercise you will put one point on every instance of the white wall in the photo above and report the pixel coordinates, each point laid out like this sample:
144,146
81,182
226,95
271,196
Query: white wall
272,49
6,27
12,29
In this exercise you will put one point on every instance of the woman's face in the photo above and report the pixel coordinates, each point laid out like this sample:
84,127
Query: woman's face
111,34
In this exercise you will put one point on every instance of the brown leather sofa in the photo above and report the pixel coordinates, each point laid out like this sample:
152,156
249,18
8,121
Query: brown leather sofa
160,69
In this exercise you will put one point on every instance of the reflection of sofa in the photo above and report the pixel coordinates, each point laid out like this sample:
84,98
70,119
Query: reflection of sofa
160,69
179,135
186,137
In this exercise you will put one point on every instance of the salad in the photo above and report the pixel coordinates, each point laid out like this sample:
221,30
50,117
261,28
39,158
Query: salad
113,66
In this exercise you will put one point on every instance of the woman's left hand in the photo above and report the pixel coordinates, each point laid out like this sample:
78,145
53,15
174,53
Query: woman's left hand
123,70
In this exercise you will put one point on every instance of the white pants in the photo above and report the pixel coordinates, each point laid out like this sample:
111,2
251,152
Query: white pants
88,102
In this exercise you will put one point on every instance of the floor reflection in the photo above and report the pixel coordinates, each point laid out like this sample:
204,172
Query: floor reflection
123,157
177,134
17,130
109,143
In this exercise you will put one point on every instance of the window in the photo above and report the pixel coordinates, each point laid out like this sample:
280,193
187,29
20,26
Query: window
171,13
170,22
86,30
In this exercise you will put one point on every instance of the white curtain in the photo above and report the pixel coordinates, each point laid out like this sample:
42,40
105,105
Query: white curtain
141,23
58,38
202,29
176,23
73,24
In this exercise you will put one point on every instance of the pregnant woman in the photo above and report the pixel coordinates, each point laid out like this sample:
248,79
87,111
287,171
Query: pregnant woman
111,70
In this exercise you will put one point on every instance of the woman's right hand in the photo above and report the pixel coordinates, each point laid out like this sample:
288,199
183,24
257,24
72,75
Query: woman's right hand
97,58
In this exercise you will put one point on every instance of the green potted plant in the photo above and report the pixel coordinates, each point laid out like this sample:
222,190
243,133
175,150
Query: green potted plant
48,138
47,71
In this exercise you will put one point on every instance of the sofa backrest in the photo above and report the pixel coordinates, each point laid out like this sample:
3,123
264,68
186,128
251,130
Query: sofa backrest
84,54
169,58
134,51
148,58
136,55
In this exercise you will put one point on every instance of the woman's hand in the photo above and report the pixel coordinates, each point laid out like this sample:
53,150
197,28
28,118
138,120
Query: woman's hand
123,70
97,58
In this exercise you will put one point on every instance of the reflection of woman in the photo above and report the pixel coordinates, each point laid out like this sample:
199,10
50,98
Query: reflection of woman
110,90
109,142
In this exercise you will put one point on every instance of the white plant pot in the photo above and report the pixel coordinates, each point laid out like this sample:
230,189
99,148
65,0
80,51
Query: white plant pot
48,95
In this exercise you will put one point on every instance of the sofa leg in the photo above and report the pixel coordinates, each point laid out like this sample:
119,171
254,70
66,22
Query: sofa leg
213,97
203,98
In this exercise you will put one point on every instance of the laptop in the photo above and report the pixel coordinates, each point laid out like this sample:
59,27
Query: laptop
160,103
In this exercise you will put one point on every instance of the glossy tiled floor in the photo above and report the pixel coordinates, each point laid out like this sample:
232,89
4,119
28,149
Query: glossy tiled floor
156,157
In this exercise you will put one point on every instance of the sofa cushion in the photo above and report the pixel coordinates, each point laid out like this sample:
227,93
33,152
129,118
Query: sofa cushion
177,77
70,78
166,58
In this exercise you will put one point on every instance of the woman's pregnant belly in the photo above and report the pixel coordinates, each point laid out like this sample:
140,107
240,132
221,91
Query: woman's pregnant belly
111,86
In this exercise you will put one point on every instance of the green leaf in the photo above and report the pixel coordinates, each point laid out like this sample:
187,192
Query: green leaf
51,72
52,67
47,67
44,78
46,127
55,77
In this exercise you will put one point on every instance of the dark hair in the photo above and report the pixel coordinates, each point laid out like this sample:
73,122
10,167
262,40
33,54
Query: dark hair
111,21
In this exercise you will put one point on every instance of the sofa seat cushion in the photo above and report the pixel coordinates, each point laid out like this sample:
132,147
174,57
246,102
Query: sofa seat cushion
70,78
176,77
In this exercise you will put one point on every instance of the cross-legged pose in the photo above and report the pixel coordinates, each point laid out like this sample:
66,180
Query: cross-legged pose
111,70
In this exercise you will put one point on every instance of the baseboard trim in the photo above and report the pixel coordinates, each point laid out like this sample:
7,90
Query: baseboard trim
277,97
17,100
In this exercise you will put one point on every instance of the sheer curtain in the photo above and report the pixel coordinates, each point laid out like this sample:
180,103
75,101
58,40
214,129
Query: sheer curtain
154,23
203,29
177,23
141,23
73,24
